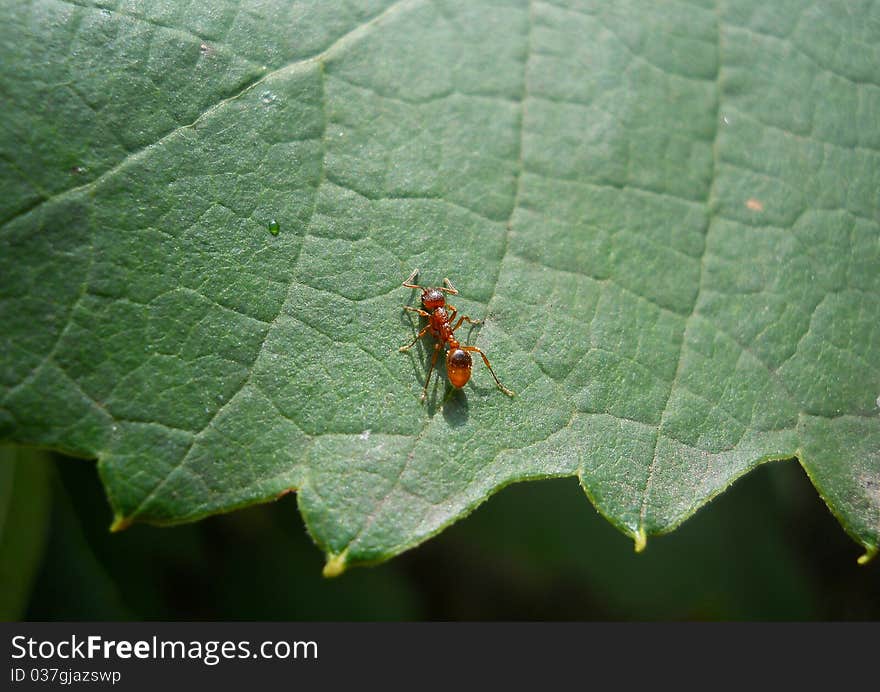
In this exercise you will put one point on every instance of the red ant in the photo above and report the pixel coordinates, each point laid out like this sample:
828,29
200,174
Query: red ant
440,317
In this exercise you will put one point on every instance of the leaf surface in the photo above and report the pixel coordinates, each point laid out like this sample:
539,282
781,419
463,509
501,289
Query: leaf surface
668,214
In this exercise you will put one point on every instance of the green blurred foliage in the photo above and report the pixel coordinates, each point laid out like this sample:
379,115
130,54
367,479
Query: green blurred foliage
766,550
24,513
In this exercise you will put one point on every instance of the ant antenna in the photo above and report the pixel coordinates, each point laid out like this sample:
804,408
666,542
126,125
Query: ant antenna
447,286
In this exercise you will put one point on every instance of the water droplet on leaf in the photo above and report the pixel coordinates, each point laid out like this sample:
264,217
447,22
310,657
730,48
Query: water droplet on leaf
274,227
267,97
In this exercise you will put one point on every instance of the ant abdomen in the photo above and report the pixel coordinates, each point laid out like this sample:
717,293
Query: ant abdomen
458,367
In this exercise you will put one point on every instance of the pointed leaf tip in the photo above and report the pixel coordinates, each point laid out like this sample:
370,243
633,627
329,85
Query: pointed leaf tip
120,523
869,555
335,565
640,540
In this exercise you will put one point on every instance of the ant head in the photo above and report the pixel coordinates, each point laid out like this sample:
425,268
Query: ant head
433,298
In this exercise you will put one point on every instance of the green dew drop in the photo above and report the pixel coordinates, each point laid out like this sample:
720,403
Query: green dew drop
274,227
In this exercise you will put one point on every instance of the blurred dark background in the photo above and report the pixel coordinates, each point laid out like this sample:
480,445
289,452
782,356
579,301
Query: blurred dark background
767,549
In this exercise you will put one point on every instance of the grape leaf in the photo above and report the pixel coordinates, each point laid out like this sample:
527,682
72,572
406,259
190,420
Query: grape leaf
668,213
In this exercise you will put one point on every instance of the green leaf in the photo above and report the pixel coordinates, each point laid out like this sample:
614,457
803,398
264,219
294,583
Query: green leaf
668,213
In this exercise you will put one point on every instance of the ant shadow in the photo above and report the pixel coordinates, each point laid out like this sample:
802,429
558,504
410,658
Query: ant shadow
453,401
455,407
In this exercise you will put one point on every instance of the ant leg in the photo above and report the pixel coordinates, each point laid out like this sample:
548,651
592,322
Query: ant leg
409,281
413,342
448,287
452,312
474,349
437,348
465,318
410,308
